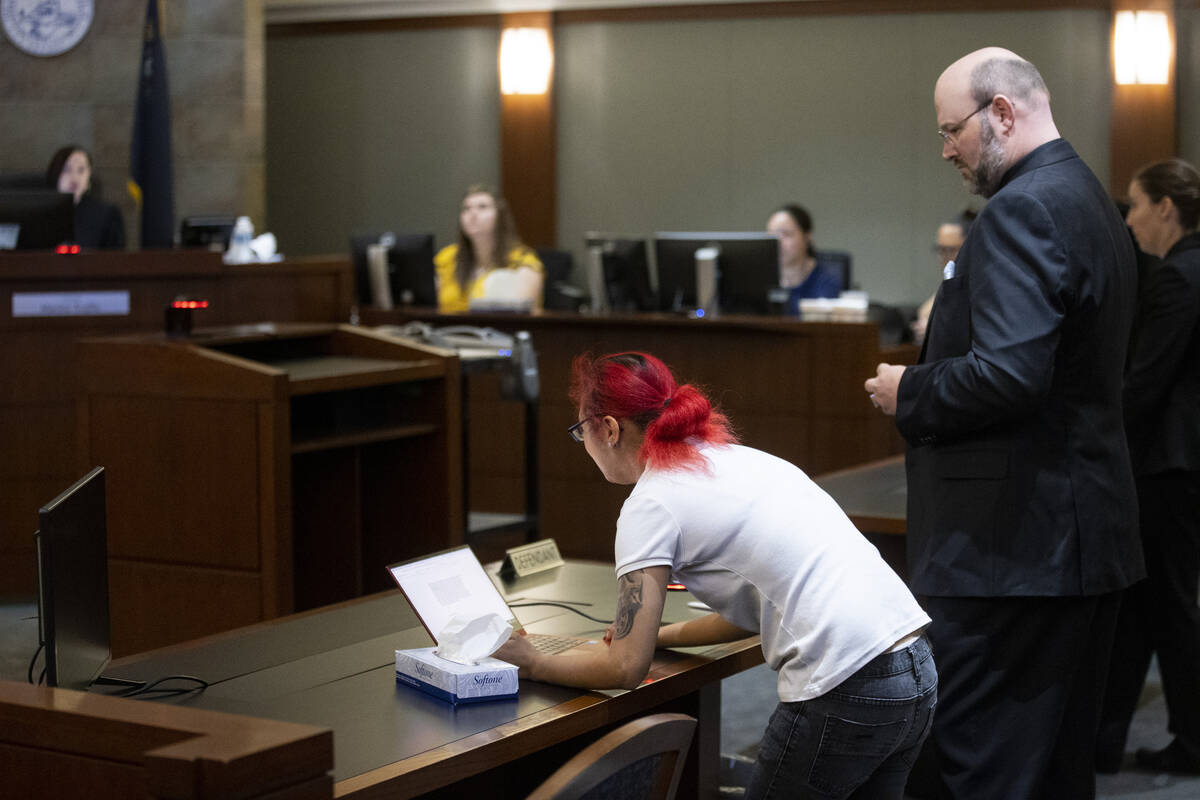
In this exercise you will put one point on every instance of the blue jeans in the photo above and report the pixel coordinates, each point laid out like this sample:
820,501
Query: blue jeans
857,740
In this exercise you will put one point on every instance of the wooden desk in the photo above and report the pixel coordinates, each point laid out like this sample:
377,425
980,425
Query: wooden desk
37,354
875,497
335,668
62,743
793,389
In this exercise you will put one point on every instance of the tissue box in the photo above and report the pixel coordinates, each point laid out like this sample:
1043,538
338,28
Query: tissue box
490,679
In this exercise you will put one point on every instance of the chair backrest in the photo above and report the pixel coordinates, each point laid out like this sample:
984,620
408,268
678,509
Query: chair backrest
558,294
837,262
642,759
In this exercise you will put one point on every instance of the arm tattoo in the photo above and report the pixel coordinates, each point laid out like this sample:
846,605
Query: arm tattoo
629,602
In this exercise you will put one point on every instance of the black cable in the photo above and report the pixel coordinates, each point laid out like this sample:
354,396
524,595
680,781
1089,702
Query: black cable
33,661
150,688
561,605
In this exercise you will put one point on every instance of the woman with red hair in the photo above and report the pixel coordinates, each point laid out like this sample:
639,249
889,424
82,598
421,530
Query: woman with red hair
771,554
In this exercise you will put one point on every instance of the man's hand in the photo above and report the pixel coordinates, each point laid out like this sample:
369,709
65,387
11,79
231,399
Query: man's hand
882,388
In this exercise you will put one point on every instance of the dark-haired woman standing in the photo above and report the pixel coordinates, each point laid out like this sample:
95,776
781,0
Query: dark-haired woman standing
761,544
1162,420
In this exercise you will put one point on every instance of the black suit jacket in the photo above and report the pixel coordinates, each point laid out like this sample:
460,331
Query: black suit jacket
1162,382
1019,480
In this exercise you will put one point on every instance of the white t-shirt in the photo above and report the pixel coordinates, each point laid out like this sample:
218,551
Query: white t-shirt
766,548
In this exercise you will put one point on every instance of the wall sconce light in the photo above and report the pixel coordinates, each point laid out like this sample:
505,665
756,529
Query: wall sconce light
1141,47
526,61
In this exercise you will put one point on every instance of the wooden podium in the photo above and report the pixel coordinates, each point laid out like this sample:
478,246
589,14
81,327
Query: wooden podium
37,351
258,470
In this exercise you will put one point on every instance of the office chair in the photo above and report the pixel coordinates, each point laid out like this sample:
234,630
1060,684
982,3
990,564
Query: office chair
641,760
558,293
838,262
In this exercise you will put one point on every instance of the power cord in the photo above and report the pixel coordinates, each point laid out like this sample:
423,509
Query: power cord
561,605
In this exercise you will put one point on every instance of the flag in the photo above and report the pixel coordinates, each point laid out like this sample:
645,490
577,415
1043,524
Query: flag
150,179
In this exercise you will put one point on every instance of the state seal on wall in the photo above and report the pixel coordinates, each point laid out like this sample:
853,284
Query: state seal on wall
46,27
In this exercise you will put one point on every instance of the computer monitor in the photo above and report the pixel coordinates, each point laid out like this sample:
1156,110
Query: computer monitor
211,232
35,219
410,268
72,563
619,273
747,267
23,180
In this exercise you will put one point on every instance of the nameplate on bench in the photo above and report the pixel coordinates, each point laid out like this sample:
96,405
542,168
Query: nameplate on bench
113,303
529,559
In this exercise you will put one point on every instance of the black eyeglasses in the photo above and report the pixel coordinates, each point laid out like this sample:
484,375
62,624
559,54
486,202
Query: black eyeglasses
950,132
576,430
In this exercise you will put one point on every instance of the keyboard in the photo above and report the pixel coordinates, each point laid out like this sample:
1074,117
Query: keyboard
551,644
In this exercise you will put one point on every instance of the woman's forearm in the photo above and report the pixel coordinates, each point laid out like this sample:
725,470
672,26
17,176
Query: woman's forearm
598,669
710,629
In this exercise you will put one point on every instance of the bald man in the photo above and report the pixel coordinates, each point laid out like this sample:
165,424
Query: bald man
1022,515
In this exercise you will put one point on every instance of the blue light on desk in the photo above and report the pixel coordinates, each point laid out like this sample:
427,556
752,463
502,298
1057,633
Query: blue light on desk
699,312
505,351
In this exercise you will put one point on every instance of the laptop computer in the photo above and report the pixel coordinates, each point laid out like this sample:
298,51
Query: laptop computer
453,582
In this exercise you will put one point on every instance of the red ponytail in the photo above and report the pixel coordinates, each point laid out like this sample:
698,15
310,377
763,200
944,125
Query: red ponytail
640,388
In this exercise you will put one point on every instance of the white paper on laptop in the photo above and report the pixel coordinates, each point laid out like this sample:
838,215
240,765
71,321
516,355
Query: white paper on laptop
453,583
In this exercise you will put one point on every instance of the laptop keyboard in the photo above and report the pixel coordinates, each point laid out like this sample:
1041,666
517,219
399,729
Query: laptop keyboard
550,644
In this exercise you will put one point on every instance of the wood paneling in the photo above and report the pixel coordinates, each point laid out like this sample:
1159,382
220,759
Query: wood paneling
204,456
653,12
154,604
529,150
38,432
61,743
264,470
791,388
1144,126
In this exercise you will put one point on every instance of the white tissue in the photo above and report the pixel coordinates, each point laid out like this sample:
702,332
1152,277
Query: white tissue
468,640
264,247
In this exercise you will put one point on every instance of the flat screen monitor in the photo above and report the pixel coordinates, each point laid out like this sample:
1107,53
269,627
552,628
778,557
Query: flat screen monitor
72,561
747,270
212,232
23,180
410,268
35,219
619,273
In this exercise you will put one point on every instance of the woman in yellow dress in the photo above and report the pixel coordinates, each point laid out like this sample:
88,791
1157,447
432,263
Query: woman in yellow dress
487,244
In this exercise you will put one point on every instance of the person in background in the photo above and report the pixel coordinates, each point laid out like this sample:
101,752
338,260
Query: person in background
754,538
1022,510
487,242
800,269
97,223
1162,421
950,236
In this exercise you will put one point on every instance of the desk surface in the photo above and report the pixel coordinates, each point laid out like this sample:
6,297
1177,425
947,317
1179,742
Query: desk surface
873,495
335,667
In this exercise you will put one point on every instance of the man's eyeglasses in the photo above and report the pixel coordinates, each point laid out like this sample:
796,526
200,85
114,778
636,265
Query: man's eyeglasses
950,132
576,430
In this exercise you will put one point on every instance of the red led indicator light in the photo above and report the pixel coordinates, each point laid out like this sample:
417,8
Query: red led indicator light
67,249
189,304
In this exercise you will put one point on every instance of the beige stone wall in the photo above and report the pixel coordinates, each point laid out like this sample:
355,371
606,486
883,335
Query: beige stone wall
215,72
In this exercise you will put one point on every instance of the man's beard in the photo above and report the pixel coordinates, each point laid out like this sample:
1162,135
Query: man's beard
985,178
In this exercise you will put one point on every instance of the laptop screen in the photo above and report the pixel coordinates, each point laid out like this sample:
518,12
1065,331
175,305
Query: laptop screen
448,583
